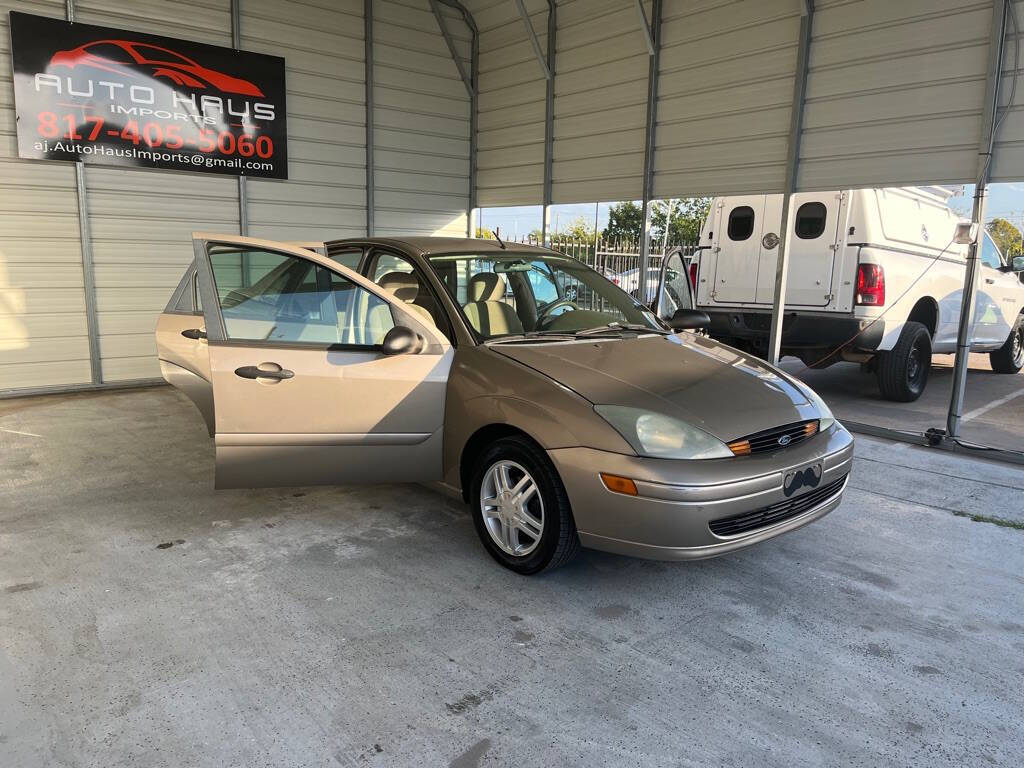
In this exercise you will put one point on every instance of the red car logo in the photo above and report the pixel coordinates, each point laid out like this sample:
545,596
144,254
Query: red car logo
127,58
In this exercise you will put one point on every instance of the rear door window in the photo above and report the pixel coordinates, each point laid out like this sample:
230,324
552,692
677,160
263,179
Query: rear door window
741,223
810,220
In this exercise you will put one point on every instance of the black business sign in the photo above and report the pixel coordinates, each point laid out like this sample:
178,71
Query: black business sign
102,95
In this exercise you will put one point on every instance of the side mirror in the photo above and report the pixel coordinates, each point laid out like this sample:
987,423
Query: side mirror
401,341
1016,264
689,319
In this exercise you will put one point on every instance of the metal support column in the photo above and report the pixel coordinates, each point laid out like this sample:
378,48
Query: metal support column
88,266
471,80
371,179
989,125
653,35
243,188
796,122
549,123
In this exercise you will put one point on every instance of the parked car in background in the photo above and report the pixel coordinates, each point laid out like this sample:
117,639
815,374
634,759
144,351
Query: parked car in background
460,362
874,277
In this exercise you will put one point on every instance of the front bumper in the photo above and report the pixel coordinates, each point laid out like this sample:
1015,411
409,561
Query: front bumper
669,519
799,329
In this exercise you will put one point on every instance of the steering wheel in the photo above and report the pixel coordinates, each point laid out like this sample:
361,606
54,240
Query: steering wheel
546,313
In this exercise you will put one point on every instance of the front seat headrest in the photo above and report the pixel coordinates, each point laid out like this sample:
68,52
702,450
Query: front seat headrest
403,285
486,286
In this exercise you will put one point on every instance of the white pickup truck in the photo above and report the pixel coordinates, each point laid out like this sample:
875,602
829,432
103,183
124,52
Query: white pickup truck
874,277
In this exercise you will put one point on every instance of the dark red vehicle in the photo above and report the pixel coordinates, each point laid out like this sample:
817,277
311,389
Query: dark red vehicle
128,58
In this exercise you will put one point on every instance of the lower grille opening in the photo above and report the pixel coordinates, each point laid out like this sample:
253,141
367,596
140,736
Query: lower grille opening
775,513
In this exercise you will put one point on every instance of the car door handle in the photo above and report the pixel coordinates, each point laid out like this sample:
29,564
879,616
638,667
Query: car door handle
990,280
255,372
193,333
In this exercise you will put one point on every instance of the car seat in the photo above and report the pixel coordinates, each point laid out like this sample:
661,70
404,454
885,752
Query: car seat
487,311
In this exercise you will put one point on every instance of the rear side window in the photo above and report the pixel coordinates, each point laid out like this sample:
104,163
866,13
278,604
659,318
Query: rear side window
810,220
741,223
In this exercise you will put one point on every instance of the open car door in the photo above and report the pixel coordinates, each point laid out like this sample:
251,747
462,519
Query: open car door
304,389
675,291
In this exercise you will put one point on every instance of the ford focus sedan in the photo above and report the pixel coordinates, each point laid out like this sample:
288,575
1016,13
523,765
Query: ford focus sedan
565,412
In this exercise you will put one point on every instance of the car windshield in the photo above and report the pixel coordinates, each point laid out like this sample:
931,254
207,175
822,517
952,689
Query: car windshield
530,294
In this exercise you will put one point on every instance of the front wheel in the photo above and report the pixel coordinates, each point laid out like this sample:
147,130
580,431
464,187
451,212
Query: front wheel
1009,358
903,370
521,509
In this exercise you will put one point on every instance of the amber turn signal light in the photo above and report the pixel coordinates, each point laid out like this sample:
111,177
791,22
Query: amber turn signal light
740,447
619,484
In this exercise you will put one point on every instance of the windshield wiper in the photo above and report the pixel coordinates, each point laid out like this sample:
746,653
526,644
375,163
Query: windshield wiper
532,336
618,328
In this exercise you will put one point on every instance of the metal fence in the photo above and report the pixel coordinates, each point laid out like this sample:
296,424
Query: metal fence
616,259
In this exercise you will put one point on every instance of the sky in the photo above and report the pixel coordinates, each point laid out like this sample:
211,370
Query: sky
1005,200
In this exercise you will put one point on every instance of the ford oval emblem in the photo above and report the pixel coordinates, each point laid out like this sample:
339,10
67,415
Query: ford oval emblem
785,440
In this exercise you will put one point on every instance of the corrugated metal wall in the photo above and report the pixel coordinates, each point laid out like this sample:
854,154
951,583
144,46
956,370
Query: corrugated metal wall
322,45
895,92
600,101
725,96
1008,157
421,122
43,333
510,144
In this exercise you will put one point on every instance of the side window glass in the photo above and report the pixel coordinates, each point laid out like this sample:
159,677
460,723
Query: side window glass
348,259
990,253
388,263
741,223
810,220
543,284
293,300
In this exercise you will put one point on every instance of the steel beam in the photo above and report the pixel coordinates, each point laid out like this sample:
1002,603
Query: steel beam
989,126
471,80
645,27
532,35
649,136
243,188
549,123
371,173
796,123
88,265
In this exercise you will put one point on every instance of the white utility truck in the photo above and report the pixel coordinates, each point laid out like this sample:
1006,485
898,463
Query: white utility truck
875,277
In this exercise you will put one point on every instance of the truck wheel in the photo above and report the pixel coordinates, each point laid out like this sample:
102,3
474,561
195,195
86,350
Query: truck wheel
1009,358
903,370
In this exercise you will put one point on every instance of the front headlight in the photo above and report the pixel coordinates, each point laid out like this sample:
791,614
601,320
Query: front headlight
660,436
825,417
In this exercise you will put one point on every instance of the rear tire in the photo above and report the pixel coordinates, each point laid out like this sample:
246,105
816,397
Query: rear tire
903,370
1009,358
557,542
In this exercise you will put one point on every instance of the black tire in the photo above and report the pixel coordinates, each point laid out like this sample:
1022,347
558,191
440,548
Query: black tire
1009,358
903,370
558,542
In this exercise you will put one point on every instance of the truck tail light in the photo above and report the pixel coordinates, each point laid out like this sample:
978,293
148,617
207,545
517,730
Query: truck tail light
693,273
870,285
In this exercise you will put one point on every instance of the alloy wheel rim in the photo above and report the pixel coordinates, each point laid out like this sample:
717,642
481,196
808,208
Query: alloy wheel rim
512,509
1018,346
914,364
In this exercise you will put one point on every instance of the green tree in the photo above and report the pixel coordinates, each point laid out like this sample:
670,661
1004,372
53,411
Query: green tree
685,218
1006,236
482,233
578,230
624,222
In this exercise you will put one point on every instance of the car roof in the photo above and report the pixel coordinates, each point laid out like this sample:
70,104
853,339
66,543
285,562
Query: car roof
425,245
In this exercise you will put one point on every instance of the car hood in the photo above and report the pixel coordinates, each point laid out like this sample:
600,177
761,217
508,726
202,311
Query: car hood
709,385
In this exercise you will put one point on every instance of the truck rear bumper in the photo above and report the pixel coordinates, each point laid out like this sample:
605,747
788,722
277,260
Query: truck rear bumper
800,330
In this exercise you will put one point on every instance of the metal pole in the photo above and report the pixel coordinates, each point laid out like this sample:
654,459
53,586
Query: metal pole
549,123
969,295
88,265
796,122
471,80
371,173
649,133
532,34
243,189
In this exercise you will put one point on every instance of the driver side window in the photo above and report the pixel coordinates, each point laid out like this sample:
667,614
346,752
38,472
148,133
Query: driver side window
990,253
294,300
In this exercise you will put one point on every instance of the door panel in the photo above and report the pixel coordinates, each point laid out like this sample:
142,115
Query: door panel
739,244
303,393
991,312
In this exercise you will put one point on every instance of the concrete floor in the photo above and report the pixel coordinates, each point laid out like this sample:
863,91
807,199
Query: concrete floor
147,621
993,411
